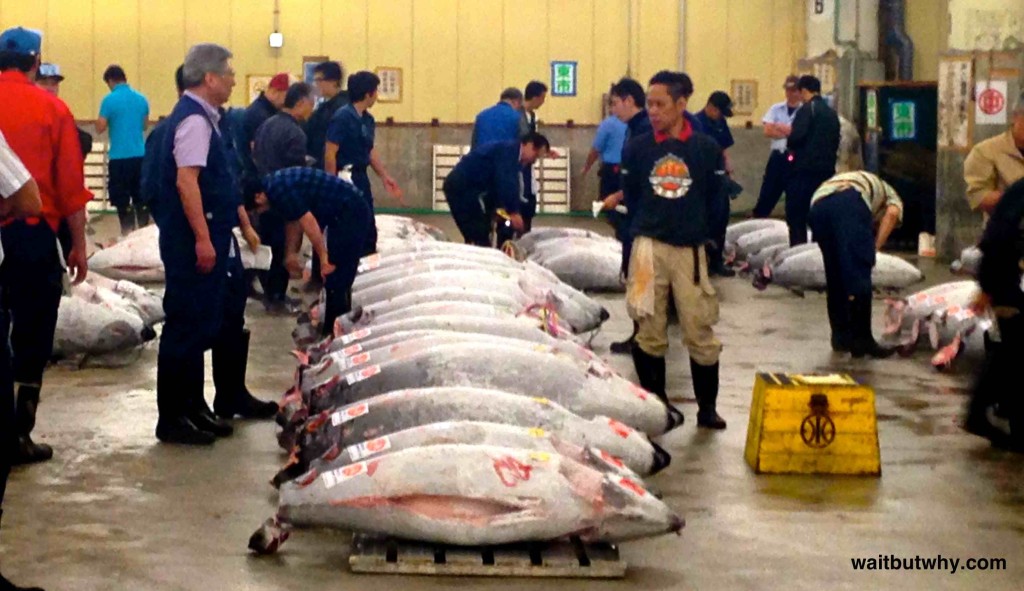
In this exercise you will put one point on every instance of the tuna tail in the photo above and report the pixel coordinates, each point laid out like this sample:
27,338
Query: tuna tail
293,470
944,358
661,459
675,418
269,537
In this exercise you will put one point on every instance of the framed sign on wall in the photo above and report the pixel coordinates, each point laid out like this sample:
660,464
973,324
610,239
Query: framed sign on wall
255,84
308,63
744,96
390,90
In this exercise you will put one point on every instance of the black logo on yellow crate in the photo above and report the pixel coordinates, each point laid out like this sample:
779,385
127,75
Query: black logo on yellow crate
818,430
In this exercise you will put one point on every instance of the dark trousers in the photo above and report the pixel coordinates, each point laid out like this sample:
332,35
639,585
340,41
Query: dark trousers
799,190
472,219
8,433
124,189
275,279
32,280
610,180
344,236
773,184
718,221
201,310
999,372
844,231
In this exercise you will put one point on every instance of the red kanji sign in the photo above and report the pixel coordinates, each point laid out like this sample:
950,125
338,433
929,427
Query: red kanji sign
991,101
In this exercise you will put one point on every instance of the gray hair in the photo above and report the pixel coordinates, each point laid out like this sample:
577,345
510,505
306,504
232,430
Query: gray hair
203,59
512,94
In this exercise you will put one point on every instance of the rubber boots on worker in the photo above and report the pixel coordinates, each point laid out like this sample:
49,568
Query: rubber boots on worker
230,364
141,216
178,384
626,346
650,370
839,321
705,389
126,215
864,343
27,451
6,585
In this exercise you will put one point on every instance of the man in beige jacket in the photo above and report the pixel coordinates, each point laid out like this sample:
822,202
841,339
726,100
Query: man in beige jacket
996,163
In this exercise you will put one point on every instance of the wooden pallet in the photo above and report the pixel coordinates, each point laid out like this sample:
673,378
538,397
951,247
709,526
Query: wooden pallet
572,559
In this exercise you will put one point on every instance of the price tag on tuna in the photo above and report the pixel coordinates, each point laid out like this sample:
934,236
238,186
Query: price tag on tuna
346,415
351,350
539,456
370,263
336,477
359,334
363,374
538,433
640,392
543,401
359,359
369,448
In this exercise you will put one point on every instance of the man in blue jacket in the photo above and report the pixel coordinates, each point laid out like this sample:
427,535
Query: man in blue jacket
500,122
488,178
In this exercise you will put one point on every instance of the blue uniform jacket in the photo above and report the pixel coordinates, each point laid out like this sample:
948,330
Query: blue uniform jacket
492,169
499,123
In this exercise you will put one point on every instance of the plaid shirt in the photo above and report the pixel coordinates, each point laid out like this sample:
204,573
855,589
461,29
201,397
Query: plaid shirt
294,192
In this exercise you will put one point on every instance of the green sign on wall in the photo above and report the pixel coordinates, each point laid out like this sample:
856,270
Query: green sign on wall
563,78
904,121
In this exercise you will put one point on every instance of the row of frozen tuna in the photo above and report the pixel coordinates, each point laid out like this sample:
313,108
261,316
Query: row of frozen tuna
102,316
585,260
761,247
439,424
136,257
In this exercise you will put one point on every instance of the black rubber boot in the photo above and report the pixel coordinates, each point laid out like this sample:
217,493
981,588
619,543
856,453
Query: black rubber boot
650,370
230,364
27,451
6,585
627,346
864,343
141,216
176,387
839,321
705,389
126,215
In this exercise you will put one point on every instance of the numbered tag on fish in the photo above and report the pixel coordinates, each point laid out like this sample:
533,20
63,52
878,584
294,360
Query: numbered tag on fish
540,456
359,334
640,392
352,350
363,374
360,359
363,450
610,459
538,433
343,416
542,401
336,477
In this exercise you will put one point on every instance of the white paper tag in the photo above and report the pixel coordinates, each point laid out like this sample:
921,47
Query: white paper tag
359,334
363,374
363,450
343,416
336,477
351,350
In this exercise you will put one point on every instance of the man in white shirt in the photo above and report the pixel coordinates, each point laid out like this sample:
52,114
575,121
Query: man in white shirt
778,122
20,198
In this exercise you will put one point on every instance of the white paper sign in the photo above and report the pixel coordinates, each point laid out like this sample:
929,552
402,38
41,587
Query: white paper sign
990,100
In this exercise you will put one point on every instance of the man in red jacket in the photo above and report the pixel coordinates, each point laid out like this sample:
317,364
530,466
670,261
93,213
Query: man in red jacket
41,131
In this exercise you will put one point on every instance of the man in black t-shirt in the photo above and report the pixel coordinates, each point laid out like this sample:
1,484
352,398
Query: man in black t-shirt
670,178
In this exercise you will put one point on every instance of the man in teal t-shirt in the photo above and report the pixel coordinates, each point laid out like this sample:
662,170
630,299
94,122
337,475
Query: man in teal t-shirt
124,112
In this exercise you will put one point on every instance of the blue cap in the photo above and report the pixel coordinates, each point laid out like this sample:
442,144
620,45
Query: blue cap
21,40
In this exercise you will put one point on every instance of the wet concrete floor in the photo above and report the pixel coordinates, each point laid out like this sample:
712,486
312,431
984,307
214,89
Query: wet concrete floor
117,510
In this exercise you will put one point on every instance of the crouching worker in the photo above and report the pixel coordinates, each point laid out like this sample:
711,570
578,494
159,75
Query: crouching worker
673,175
845,211
309,199
488,178
1001,278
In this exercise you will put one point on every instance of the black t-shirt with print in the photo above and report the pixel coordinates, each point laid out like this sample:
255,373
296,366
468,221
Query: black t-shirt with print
669,184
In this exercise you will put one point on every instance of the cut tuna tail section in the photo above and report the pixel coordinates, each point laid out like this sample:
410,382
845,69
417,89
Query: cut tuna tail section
946,355
268,538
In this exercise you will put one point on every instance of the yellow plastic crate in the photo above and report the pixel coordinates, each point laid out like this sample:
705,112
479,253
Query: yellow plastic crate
812,424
